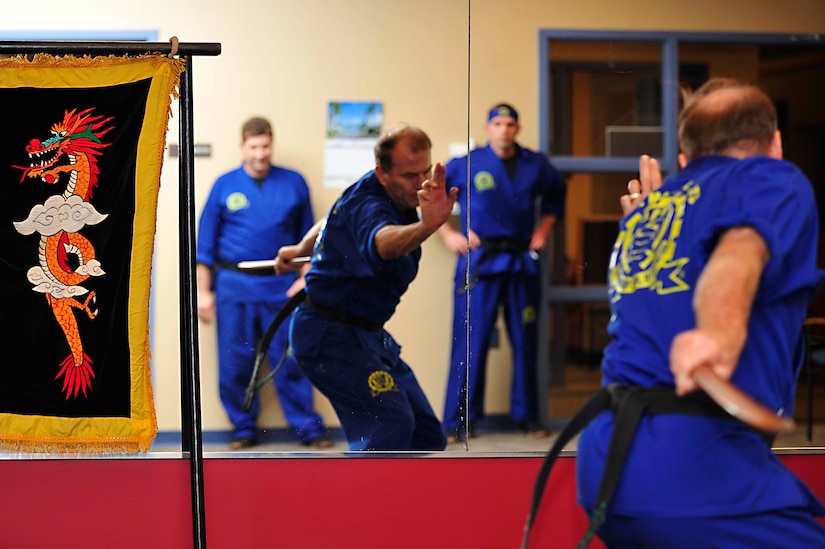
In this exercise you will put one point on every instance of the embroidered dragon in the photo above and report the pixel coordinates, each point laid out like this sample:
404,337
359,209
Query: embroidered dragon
65,257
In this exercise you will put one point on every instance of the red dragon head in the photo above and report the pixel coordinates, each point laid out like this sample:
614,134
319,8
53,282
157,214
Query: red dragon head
75,140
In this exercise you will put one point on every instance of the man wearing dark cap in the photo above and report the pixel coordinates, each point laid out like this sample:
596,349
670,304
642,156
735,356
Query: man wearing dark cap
505,182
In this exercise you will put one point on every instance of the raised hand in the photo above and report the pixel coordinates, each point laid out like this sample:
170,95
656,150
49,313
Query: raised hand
650,179
435,202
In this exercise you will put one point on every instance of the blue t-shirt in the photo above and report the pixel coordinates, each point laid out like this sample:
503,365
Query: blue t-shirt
243,221
347,273
505,207
691,466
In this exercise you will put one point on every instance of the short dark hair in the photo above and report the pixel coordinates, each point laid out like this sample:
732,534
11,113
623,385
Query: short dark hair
255,126
711,124
414,137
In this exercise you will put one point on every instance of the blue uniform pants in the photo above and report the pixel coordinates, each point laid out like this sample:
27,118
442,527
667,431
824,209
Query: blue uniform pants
518,293
240,326
374,393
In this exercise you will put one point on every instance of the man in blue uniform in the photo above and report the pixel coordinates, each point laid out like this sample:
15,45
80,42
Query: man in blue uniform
714,267
505,182
364,256
250,213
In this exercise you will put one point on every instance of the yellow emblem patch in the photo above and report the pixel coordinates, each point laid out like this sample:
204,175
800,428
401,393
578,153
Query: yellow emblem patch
381,382
528,315
484,181
236,201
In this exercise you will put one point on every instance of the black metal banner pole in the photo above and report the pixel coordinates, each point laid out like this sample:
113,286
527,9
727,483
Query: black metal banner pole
78,47
191,429
191,432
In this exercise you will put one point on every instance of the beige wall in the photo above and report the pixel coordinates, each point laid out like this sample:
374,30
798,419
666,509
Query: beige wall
286,59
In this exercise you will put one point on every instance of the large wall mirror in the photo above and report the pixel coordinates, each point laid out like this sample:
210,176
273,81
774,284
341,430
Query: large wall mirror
592,102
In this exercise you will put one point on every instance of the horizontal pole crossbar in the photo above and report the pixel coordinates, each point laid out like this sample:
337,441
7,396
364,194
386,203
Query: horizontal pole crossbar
79,47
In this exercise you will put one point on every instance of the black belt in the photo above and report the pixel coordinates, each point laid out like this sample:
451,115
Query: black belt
490,246
344,318
262,271
498,245
628,404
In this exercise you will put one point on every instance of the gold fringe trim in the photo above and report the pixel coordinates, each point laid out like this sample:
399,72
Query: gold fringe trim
69,60
76,446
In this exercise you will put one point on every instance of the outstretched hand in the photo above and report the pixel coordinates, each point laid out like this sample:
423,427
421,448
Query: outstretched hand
435,202
650,179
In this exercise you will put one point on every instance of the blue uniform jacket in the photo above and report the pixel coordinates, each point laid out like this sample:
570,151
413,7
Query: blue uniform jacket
502,207
242,221
688,465
347,273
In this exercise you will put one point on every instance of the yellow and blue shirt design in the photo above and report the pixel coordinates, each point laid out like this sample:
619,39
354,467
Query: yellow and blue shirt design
644,255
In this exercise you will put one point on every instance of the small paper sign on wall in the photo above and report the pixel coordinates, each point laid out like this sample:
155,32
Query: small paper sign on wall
353,129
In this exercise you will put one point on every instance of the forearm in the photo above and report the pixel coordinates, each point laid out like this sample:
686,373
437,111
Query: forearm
722,304
726,289
283,262
393,241
307,243
203,274
542,232
206,299
446,231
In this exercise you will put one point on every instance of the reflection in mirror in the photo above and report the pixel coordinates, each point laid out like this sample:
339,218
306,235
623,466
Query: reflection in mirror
419,82
606,98
577,104
514,198
603,101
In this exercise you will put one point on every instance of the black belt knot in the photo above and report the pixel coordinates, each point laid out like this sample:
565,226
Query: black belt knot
490,246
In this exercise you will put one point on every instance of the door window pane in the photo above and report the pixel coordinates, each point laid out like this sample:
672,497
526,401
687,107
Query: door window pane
606,98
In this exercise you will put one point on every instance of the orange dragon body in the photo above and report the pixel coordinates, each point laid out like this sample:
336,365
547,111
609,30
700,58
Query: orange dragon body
65,257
